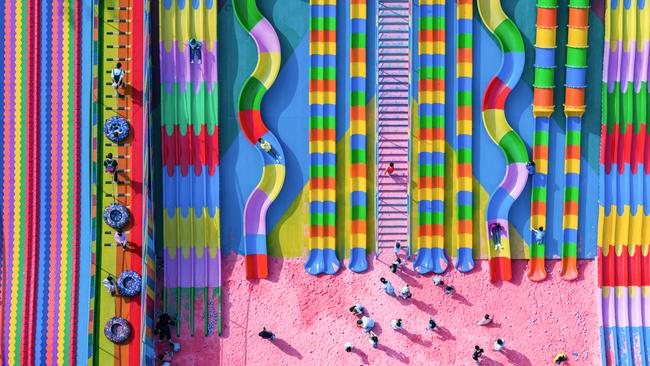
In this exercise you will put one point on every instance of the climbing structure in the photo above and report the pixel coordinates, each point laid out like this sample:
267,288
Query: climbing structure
393,123
464,176
512,46
574,108
321,256
190,143
624,217
543,106
119,202
431,132
358,137
252,125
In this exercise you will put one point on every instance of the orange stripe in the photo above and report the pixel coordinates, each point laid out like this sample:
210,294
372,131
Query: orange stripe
358,170
358,113
432,134
464,113
540,151
431,182
322,134
543,97
573,152
431,230
570,208
357,54
464,55
322,85
578,17
574,97
465,226
546,18
321,35
538,208
322,183
465,170
358,227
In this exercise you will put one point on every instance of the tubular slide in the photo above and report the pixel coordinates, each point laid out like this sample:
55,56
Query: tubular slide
190,143
574,108
358,168
512,46
464,175
431,158
41,161
322,139
252,125
120,32
624,213
543,106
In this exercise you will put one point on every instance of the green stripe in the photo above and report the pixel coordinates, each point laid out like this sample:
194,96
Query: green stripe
544,78
552,4
509,37
358,156
322,122
571,194
431,170
247,13
569,250
464,212
514,148
358,212
429,218
183,109
464,40
322,171
358,99
573,138
320,23
540,138
464,99
464,155
537,251
432,72
358,40
322,219
576,57
432,121
322,73
539,194
251,95
584,4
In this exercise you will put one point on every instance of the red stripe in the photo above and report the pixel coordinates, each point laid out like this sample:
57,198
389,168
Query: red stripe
495,95
191,149
252,125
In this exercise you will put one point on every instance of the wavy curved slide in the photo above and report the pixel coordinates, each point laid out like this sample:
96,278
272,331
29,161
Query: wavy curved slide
574,109
464,175
322,139
358,137
514,181
189,118
431,157
543,106
252,125
624,212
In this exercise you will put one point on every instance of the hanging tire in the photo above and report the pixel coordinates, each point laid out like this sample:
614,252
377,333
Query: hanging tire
116,129
129,283
117,330
116,215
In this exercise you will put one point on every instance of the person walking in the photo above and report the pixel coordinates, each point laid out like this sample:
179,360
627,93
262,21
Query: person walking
163,327
374,340
117,78
109,284
110,166
437,280
560,358
396,324
432,325
120,239
499,343
390,169
348,347
449,289
387,287
476,356
395,265
265,334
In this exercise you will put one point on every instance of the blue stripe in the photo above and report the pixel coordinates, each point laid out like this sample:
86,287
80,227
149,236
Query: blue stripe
431,206
545,57
432,60
322,109
358,84
576,77
464,84
255,244
358,198
323,11
322,60
435,109
358,142
358,25
432,10
464,26
464,198
322,207
191,191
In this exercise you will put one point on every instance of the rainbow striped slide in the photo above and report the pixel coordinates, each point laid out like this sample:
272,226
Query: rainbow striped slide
624,214
322,139
574,108
190,144
358,137
431,158
543,106
252,125
496,93
464,175
41,164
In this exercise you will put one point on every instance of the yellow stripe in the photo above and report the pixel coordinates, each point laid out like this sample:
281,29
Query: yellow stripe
431,48
318,97
322,2
465,11
577,37
464,127
268,66
358,69
546,38
464,69
572,166
322,48
491,13
358,11
191,232
432,2
272,179
496,124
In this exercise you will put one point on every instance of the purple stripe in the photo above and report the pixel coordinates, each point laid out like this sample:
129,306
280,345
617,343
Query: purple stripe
613,74
641,66
627,66
606,51
255,212
645,303
265,37
621,308
512,182
636,316
206,270
608,312
176,68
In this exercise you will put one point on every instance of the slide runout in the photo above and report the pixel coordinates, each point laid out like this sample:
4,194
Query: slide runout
464,136
511,45
321,246
258,135
189,110
358,138
543,107
115,17
574,108
431,152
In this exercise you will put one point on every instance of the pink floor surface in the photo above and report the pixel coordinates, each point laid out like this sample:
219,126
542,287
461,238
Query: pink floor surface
310,318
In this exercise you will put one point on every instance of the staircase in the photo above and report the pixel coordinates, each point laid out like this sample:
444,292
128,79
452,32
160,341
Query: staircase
393,123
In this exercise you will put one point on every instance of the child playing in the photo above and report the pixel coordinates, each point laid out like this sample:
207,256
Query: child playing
374,340
348,347
499,344
387,287
393,267
396,324
356,309
406,292
366,323
117,77
266,147
195,51
109,284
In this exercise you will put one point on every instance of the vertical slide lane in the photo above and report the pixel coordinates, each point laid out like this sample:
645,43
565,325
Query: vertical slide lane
431,158
358,139
543,106
252,125
574,109
190,143
514,181
464,161
120,34
624,217
321,256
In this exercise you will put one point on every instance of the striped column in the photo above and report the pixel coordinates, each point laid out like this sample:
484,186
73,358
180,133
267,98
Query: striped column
464,176
431,160
358,141
543,106
574,108
322,139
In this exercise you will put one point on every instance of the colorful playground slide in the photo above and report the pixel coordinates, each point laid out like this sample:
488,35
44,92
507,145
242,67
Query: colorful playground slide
40,138
543,106
120,32
190,143
267,145
431,129
574,109
321,246
358,137
464,134
514,181
624,217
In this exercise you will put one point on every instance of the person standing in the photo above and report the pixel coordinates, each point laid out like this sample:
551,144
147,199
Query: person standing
406,292
396,324
109,284
387,287
348,347
366,323
499,343
117,78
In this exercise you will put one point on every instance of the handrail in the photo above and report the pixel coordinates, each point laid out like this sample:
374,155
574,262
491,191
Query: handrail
377,131
410,131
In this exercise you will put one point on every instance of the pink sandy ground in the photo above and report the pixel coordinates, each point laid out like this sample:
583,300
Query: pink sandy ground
310,318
